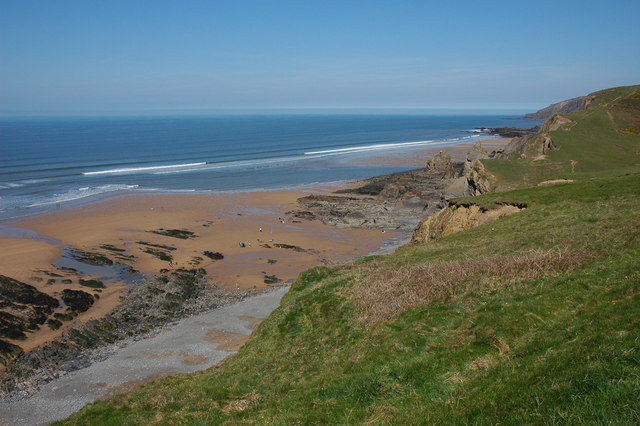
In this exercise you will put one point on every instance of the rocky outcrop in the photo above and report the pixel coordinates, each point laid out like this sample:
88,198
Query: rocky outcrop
479,179
77,300
537,145
459,217
394,201
564,107
512,132
400,200
441,164
150,304
477,153
23,308
475,180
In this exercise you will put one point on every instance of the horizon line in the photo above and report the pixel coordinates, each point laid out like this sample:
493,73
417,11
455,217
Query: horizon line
231,110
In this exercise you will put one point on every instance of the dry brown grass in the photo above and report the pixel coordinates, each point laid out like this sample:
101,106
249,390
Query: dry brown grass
381,293
242,403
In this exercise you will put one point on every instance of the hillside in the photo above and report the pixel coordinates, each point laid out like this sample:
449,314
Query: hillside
529,318
564,107
602,136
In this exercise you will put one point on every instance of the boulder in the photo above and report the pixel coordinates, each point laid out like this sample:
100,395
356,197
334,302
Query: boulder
458,188
441,163
390,191
77,300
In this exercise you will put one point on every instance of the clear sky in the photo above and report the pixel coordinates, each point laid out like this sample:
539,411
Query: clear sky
68,56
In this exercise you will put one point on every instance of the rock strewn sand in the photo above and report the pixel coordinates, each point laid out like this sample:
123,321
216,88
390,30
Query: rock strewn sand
219,222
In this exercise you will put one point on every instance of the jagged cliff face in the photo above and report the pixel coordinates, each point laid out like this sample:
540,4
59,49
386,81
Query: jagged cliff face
475,179
537,145
459,217
564,107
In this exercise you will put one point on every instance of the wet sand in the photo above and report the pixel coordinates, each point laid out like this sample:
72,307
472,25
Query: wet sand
419,157
219,222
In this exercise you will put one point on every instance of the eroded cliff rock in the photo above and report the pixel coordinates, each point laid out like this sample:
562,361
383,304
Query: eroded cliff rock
459,217
475,179
441,164
537,145
564,107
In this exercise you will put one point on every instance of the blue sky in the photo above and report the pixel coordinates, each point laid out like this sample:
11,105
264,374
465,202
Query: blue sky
125,56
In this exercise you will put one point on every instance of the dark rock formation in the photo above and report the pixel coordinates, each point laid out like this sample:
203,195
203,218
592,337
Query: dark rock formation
512,132
11,327
271,279
24,308
77,300
214,255
290,247
91,283
150,304
183,234
394,201
162,255
15,291
90,258
8,351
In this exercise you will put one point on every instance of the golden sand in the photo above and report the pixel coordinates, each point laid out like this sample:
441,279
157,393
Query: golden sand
220,222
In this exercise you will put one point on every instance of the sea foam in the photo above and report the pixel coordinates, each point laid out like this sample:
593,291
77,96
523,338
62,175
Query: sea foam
142,169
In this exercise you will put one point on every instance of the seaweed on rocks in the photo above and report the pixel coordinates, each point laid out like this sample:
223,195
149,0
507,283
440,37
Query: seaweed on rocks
91,283
160,246
77,300
11,327
90,258
149,305
271,279
16,291
8,351
213,255
111,247
164,256
290,247
183,234
24,308
54,324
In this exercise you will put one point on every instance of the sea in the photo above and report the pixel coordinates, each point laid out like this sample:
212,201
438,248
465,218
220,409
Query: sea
55,162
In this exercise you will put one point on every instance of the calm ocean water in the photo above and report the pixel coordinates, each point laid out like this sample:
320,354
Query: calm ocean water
48,162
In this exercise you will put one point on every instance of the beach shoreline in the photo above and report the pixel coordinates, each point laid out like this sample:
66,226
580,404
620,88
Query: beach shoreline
241,239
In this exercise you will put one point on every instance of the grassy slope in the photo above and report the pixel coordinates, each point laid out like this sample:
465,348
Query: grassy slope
603,137
557,346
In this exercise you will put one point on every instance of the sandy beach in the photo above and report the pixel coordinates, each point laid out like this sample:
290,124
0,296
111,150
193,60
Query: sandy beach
246,228
251,230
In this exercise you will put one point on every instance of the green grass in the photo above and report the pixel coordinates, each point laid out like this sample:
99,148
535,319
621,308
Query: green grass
557,349
529,319
600,139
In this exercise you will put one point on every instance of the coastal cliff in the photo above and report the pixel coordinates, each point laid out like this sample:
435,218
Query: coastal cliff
564,107
525,319
458,217
536,145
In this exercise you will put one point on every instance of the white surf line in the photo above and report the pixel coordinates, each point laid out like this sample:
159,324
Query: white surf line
369,147
142,169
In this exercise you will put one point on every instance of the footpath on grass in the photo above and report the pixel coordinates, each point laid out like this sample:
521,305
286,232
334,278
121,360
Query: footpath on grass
191,344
